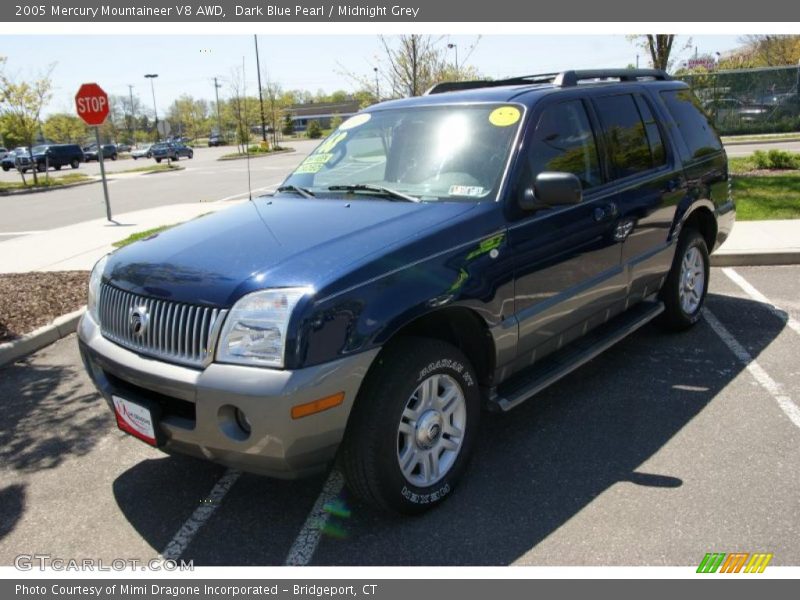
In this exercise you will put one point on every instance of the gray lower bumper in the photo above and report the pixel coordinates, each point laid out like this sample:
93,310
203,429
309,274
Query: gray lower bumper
198,416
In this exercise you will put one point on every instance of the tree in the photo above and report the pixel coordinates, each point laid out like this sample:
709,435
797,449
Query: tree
336,121
64,128
314,130
21,104
659,47
766,51
410,64
189,116
288,124
272,92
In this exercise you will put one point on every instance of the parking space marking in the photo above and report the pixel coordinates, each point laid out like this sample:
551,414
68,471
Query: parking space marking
304,546
772,387
202,513
759,297
15,233
265,188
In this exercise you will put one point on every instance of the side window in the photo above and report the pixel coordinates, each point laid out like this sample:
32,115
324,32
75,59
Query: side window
626,138
693,124
564,141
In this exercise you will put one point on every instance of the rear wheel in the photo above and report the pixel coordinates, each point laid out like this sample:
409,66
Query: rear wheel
158,160
75,163
413,428
684,292
113,157
57,167
191,154
41,167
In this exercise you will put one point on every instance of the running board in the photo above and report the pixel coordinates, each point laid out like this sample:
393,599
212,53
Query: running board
552,368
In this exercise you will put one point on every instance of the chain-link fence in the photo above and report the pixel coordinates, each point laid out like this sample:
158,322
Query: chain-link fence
745,101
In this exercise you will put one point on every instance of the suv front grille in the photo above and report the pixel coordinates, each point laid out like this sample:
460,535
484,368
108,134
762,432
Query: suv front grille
173,331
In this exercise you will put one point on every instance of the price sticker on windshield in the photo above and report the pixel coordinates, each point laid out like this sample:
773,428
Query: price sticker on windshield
504,116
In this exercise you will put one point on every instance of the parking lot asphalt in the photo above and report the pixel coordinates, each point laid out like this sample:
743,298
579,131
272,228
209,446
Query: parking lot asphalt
202,179
664,448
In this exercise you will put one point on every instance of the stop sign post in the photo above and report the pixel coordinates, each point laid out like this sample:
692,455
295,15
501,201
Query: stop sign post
91,103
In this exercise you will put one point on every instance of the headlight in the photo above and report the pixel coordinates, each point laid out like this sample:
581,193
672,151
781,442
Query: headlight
255,330
94,287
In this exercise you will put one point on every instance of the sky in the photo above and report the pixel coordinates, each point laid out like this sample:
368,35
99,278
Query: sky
187,64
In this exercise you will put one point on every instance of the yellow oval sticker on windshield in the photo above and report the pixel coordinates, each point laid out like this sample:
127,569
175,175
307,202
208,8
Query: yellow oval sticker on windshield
504,116
355,121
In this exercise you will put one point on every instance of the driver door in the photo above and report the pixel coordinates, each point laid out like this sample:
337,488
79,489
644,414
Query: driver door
568,273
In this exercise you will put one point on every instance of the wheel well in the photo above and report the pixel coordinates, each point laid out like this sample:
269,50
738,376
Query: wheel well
703,221
461,327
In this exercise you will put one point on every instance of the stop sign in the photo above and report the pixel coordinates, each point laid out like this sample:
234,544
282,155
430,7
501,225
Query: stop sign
92,104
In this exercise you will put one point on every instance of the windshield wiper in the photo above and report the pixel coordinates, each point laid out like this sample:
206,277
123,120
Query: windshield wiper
305,193
367,187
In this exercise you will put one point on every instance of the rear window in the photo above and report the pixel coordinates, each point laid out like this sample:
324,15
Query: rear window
695,127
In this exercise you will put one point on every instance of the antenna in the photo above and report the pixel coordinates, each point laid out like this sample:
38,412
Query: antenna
247,125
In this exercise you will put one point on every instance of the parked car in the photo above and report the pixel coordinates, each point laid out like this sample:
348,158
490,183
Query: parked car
123,148
216,140
142,152
8,162
109,151
504,234
171,151
50,155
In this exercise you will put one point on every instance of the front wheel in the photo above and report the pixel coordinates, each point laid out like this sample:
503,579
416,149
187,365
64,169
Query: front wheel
684,292
191,155
75,163
413,427
158,160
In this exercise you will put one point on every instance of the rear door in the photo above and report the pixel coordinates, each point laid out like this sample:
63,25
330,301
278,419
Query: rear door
649,184
568,276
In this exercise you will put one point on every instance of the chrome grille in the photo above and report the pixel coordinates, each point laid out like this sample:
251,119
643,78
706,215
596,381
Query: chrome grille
177,332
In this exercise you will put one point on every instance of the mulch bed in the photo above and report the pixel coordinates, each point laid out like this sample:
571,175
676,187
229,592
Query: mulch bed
31,300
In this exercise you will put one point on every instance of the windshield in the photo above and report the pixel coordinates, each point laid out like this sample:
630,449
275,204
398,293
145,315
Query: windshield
432,153
39,149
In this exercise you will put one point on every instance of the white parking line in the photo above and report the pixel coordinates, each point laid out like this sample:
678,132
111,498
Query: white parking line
302,550
772,387
254,191
759,297
202,513
15,233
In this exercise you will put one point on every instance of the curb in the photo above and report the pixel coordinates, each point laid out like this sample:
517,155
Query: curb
39,338
755,259
48,189
768,141
257,155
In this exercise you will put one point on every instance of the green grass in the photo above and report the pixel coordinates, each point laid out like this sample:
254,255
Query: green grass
761,197
149,169
766,137
135,237
239,155
44,182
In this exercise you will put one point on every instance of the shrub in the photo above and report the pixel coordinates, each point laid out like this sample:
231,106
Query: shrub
776,159
288,125
314,130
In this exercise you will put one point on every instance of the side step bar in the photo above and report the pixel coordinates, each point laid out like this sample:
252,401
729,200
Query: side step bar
552,368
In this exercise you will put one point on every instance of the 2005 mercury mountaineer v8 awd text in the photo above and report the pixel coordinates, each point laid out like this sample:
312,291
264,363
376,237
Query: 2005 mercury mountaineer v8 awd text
433,257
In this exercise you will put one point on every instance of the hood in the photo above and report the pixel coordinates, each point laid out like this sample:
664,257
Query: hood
270,242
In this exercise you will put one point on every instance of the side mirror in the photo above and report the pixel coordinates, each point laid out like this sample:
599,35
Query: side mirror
552,188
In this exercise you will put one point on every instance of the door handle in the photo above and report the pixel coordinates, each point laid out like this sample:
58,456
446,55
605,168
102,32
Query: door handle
606,212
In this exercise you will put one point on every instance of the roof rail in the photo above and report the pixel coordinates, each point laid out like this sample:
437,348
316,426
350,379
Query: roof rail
562,79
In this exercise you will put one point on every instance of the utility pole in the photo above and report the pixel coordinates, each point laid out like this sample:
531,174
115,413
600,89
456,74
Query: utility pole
455,47
219,121
377,86
151,77
133,116
260,94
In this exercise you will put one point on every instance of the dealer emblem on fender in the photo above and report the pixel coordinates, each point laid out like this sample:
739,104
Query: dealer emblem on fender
139,320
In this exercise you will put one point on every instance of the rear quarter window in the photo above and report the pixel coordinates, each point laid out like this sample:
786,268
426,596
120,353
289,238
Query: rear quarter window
626,136
693,124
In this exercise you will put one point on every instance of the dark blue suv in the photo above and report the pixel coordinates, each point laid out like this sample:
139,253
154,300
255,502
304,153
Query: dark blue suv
432,257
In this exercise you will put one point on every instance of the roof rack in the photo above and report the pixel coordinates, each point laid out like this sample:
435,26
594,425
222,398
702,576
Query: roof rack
562,79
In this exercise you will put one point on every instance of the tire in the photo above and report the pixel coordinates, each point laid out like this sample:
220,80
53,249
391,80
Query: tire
113,157
396,419
75,163
57,167
684,293
6,168
158,160
191,155
175,157
41,167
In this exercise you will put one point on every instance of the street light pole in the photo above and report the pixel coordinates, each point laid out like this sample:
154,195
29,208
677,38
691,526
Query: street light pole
377,85
219,121
151,77
455,47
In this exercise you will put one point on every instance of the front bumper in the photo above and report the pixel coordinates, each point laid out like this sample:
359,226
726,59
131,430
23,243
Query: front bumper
197,405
